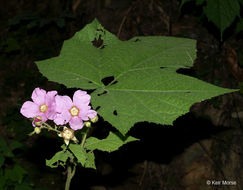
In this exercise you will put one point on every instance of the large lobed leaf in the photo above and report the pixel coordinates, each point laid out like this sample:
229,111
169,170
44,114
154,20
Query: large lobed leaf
146,86
111,143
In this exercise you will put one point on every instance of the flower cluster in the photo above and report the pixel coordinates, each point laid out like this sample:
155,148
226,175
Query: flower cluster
60,109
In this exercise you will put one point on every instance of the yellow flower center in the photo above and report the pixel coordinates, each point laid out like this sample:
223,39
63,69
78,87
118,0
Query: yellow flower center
43,108
74,111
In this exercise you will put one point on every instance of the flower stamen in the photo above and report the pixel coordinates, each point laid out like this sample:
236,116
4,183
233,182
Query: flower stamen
43,108
74,111
68,134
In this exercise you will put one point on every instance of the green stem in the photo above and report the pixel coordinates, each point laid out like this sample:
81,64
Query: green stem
47,126
70,172
84,137
70,175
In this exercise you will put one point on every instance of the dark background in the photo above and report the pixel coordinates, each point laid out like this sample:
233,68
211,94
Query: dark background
205,144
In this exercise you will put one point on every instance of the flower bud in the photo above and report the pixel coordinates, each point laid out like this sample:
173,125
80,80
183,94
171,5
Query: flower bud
37,121
87,124
37,130
95,119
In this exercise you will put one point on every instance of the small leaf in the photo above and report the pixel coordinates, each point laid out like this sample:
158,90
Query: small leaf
59,158
111,143
78,152
15,174
15,145
222,12
90,160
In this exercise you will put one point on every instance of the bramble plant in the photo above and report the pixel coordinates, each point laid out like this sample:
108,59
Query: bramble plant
132,81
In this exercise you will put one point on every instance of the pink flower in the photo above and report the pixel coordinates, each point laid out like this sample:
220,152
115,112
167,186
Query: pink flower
42,107
74,112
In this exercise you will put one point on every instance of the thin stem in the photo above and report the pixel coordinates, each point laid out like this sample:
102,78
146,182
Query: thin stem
84,137
47,126
70,172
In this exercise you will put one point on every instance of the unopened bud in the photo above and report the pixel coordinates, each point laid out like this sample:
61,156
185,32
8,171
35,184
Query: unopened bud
87,124
37,130
37,121
95,119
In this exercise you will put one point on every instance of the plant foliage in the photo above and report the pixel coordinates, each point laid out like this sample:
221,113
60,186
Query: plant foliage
85,156
221,12
109,144
144,85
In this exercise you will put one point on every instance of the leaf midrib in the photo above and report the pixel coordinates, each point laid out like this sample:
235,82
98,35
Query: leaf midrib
159,91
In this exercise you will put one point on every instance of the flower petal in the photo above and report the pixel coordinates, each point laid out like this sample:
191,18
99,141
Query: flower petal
43,116
63,103
76,123
51,103
91,114
50,97
81,98
83,112
87,114
51,112
62,118
30,109
38,96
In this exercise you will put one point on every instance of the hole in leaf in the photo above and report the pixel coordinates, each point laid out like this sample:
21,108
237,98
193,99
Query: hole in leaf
107,80
100,30
162,67
98,42
186,71
137,40
97,108
102,93
115,113
114,82
89,82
